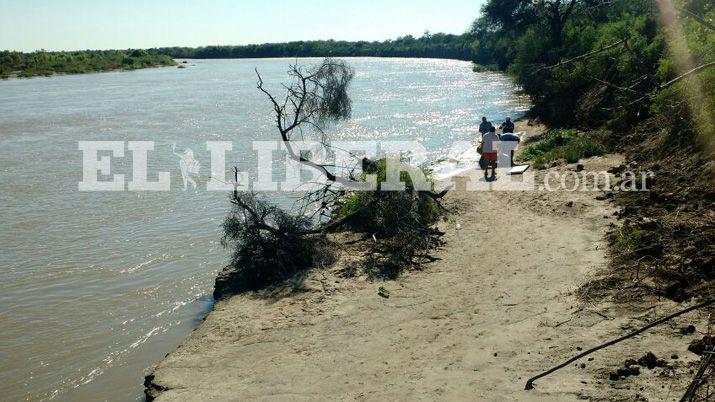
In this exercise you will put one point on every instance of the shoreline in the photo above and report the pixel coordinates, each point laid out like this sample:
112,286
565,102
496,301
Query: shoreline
178,64
15,76
441,334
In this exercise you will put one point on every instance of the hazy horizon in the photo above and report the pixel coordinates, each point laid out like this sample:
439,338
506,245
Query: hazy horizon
101,25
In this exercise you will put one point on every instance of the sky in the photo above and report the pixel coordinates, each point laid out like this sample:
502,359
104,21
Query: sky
27,25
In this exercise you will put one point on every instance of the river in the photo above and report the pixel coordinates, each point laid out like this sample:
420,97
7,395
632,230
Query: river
97,286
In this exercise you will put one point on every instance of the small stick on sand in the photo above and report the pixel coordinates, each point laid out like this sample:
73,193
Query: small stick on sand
530,383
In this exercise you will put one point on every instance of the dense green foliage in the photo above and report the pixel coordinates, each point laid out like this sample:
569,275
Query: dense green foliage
619,86
400,222
439,45
627,239
566,144
48,63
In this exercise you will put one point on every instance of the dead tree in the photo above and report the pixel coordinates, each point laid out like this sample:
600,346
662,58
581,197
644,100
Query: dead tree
271,244
314,99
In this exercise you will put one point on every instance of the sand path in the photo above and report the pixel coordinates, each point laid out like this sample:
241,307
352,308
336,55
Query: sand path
496,309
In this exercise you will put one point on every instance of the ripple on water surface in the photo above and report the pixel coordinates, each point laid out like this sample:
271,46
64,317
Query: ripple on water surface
95,287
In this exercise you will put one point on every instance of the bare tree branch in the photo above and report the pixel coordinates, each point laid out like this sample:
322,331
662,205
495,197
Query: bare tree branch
614,86
686,74
581,57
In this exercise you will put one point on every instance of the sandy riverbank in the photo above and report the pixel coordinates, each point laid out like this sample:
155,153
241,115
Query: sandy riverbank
499,307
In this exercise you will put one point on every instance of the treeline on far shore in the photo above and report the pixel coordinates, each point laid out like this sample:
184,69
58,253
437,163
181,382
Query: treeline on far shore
43,63
438,45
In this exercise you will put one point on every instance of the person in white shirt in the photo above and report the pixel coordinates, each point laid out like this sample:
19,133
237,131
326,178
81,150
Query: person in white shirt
490,148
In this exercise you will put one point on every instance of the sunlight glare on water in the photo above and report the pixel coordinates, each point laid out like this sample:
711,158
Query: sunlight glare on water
96,287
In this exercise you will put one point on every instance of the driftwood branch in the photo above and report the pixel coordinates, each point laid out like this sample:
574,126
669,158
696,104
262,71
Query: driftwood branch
530,382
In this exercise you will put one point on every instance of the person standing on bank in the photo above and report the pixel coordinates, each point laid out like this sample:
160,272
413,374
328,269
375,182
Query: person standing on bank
507,126
490,144
508,135
484,126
